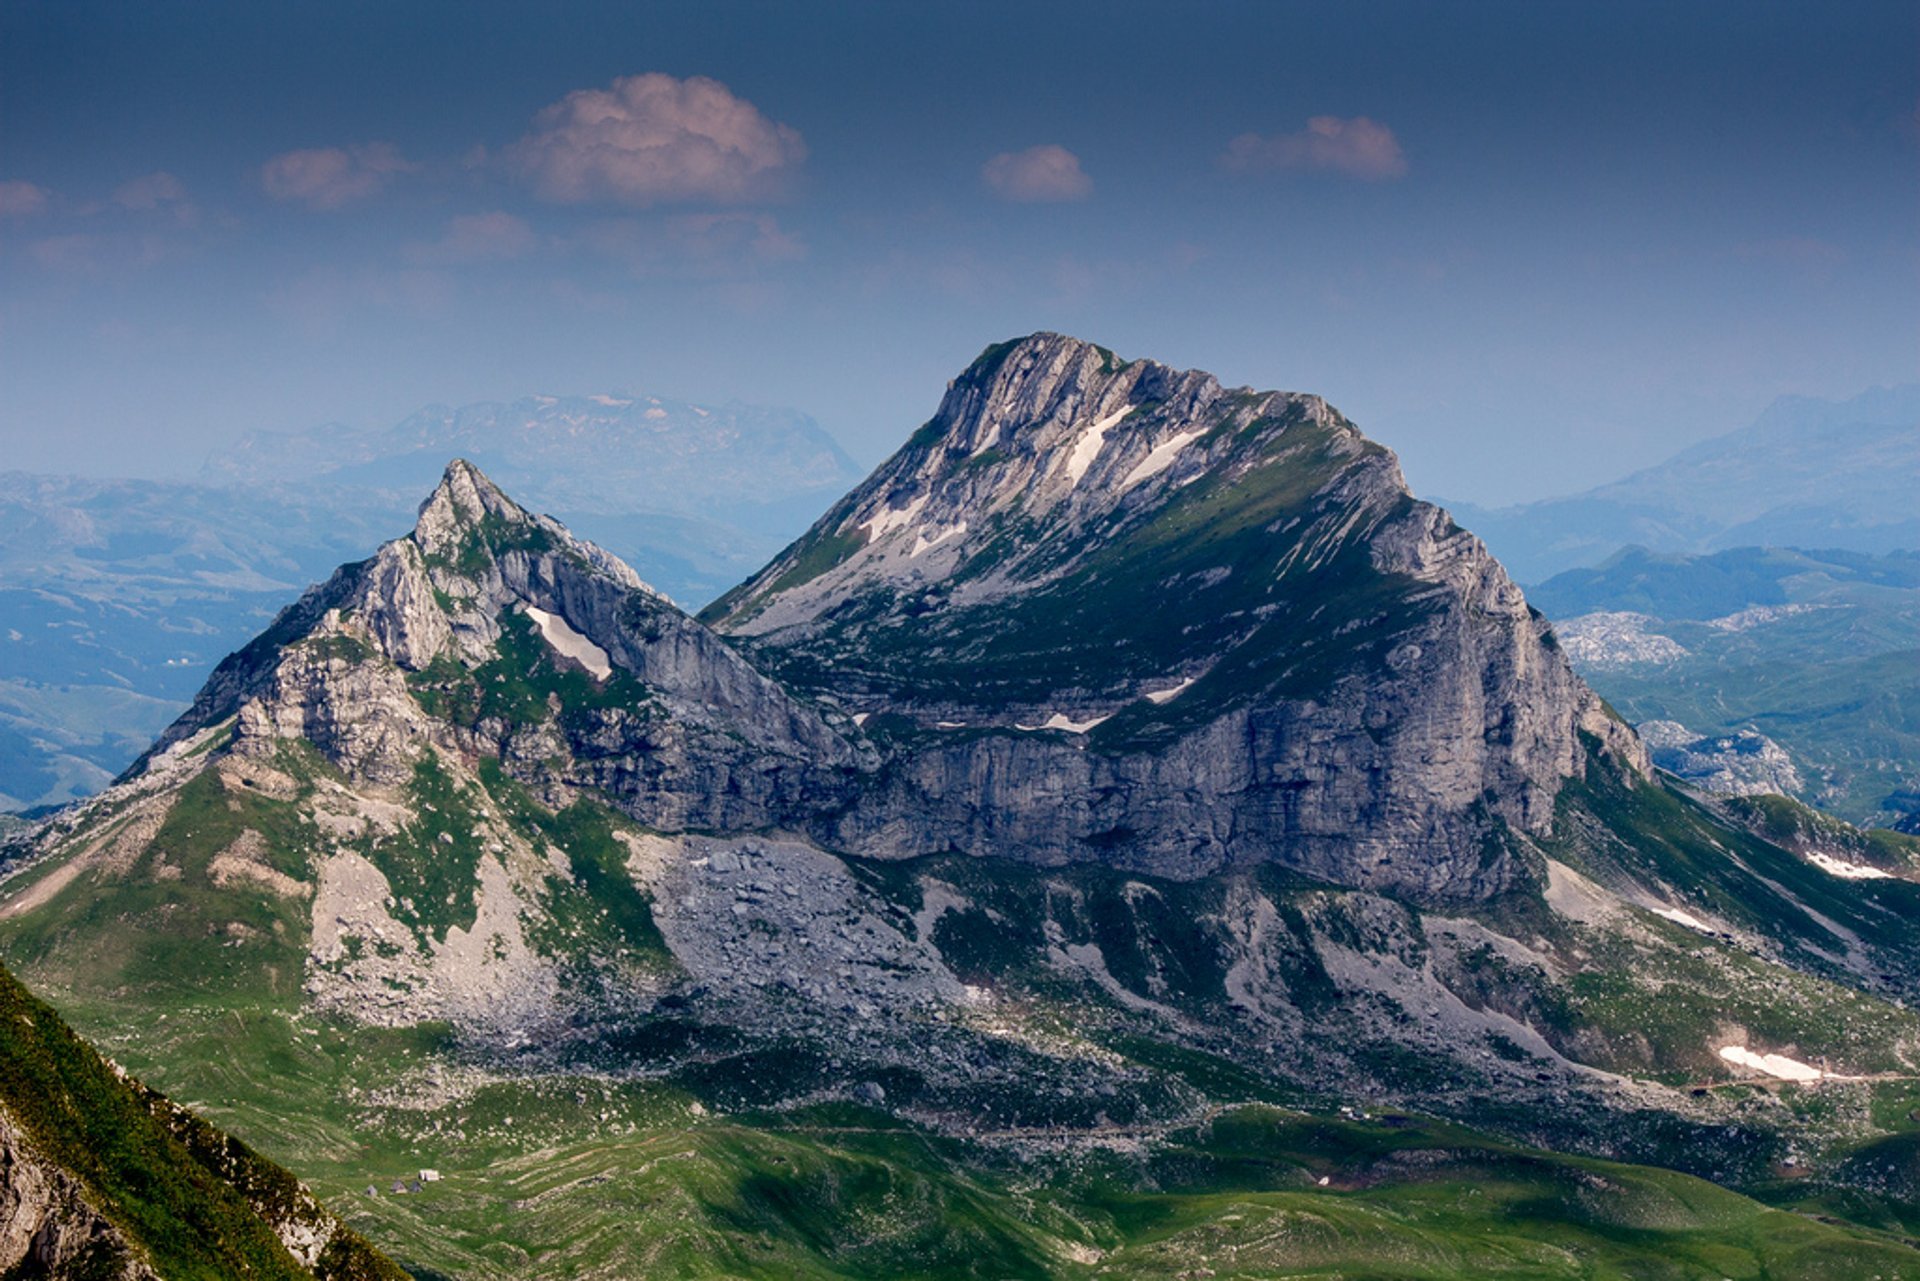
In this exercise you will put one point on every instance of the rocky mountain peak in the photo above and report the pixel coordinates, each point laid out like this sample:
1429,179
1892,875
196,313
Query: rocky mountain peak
1116,572
464,500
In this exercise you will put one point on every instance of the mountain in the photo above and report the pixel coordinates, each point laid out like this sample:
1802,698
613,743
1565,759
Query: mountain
1209,628
1806,473
1815,651
842,942
106,1178
116,597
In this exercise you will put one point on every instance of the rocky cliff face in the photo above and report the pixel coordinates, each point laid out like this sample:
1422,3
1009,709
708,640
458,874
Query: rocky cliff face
1105,610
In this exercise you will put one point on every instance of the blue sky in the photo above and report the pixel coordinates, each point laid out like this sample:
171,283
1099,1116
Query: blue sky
1529,246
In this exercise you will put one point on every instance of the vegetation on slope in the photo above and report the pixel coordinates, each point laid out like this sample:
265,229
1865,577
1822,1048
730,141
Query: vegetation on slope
196,1202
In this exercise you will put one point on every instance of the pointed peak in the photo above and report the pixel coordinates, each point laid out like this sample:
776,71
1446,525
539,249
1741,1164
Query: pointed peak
465,498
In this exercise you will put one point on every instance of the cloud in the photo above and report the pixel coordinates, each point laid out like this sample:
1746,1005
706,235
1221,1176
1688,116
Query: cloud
734,237
19,199
653,138
481,237
1357,147
159,192
1048,173
149,191
328,177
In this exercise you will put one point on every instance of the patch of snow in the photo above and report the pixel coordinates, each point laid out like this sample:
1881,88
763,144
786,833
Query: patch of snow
923,543
1088,446
611,402
560,634
655,413
987,442
1164,696
1059,721
1847,871
949,724
1160,459
1687,919
892,518
860,718
1772,1064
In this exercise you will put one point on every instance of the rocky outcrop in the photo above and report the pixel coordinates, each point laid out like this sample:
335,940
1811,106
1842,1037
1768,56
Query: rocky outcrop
406,652
1746,763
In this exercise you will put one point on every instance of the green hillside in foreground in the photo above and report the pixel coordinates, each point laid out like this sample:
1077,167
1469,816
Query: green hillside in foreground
137,1183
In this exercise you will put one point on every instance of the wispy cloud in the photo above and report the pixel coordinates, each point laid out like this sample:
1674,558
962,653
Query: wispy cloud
159,192
733,243
1047,173
494,236
1356,146
654,139
18,199
329,177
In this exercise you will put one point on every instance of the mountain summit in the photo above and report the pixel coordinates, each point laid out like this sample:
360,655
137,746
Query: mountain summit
1211,624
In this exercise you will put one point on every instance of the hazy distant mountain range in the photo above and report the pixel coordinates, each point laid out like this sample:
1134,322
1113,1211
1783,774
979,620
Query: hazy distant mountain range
1807,473
118,596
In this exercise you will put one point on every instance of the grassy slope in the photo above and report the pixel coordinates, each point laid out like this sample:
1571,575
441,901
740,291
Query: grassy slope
179,1190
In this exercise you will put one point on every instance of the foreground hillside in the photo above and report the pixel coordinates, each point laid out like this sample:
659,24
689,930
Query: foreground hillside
103,1178
864,938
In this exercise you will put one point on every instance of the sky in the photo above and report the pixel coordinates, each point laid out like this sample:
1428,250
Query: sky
1530,246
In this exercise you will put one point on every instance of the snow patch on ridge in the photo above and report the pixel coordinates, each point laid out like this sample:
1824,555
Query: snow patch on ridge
1772,1064
1087,447
1059,721
1847,871
560,634
1160,459
1161,697
923,543
892,518
1687,919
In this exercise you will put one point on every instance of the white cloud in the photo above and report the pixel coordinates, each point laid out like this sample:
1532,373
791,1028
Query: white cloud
18,199
483,237
654,138
1357,147
1047,173
328,177
149,191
